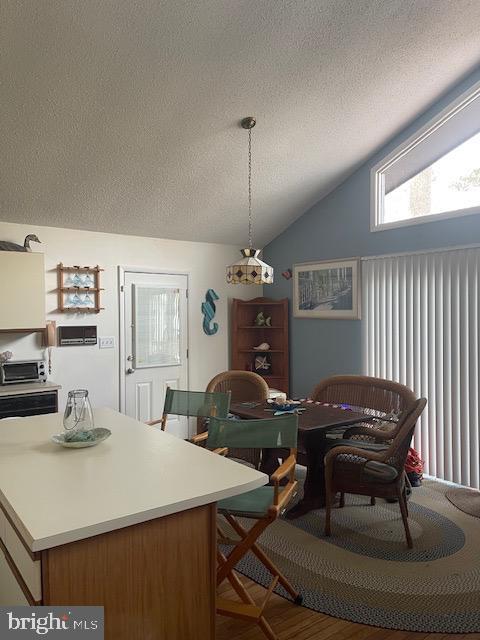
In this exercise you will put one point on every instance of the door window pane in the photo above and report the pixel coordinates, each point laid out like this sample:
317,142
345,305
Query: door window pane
156,326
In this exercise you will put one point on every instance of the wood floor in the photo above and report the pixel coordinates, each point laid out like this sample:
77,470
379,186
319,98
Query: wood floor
297,623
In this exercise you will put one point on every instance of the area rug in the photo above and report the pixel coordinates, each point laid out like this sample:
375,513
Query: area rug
467,500
366,574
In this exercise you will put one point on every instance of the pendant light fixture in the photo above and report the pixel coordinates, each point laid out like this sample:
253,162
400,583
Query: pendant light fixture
249,269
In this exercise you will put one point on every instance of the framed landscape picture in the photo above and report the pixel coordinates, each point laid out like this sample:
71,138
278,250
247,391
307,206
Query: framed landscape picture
327,289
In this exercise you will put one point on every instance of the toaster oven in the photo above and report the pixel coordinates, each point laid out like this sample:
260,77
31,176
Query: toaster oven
17,371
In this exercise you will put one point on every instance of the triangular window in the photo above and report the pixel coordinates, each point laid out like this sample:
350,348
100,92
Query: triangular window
434,175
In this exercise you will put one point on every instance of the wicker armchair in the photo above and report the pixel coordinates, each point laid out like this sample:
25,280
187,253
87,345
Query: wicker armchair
376,473
377,396
244,386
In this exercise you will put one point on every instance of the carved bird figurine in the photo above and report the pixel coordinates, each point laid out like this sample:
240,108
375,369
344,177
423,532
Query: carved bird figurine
11,246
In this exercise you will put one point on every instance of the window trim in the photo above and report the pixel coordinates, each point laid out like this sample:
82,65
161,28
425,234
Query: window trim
377,178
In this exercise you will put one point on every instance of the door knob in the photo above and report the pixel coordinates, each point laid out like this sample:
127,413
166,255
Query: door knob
130,370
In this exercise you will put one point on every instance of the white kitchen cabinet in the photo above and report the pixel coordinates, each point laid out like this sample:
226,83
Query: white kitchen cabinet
28,567
22,290
10,592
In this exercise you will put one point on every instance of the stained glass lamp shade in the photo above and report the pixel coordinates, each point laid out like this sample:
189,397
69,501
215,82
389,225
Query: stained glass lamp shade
250,269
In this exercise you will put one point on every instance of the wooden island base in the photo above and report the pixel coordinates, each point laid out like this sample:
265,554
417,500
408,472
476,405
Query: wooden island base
155,579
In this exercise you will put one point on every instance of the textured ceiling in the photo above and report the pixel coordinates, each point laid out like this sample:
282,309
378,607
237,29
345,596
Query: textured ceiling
123,116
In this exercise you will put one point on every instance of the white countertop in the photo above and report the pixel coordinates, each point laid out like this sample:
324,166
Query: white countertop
56,495
27,387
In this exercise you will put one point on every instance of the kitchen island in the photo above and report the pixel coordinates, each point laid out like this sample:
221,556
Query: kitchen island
128,524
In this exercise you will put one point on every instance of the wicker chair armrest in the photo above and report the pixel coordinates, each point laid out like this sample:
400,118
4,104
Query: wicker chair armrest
371,432
221,451
351,451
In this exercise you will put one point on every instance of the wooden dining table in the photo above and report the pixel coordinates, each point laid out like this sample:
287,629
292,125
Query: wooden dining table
315,421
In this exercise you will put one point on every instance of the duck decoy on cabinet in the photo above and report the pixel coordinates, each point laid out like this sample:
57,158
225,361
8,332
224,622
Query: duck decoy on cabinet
11,246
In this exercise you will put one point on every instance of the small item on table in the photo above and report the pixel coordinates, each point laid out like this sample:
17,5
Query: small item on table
78,418
81,439
78,414
280,401
273,393
281,405
79,436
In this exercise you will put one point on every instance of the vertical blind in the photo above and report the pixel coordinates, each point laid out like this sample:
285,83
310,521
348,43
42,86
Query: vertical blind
421,326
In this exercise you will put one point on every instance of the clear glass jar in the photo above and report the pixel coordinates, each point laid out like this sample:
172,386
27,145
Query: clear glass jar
78,414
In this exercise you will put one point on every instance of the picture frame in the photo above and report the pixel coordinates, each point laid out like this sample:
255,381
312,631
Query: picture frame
327,289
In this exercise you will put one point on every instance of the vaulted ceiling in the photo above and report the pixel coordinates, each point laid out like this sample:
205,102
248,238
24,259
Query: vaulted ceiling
123,115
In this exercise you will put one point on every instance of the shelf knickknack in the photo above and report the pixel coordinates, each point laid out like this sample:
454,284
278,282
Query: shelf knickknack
79,289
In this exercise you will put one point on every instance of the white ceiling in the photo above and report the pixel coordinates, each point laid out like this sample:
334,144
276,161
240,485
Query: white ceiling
123,116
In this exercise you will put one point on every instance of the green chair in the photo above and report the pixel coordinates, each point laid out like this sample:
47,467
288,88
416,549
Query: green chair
199,404
264,505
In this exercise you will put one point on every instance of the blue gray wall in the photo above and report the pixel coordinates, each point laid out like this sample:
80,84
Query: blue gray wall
339,227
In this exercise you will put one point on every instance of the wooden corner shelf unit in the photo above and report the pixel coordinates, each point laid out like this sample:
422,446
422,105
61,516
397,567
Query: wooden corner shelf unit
246,335
72,288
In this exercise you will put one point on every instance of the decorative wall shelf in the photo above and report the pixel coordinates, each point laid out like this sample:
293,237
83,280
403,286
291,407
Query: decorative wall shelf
79,289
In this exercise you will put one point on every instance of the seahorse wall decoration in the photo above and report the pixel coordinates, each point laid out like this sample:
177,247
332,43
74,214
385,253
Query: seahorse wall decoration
208,310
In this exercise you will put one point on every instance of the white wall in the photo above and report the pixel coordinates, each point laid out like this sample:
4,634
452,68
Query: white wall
98,369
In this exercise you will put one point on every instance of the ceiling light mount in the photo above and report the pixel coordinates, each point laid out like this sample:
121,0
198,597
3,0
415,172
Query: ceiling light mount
248,123
250,269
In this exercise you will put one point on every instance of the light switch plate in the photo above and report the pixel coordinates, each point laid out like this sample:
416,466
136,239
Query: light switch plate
107,342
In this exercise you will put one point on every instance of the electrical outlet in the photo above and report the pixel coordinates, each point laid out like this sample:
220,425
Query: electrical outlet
106,343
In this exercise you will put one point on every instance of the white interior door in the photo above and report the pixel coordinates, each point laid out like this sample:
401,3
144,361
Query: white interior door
156,344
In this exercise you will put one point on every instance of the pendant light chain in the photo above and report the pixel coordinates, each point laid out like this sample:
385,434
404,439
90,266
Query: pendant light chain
250,244
249,269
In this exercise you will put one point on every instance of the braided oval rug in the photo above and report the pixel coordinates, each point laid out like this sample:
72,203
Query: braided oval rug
366,574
